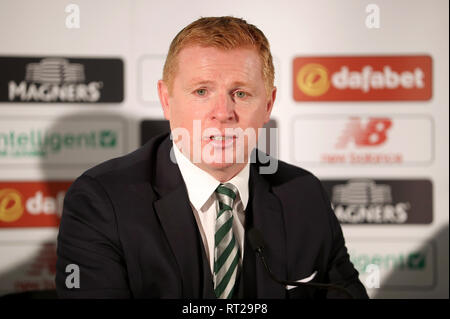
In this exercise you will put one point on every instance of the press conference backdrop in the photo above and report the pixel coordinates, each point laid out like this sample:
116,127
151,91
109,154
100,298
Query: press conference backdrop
362,102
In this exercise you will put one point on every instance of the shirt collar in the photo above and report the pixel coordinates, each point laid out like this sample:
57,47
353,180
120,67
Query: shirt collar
200,185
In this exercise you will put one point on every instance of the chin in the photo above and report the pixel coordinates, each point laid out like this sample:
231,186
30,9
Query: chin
218,165
228,158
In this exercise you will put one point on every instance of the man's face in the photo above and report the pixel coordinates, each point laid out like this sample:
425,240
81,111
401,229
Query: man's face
215,92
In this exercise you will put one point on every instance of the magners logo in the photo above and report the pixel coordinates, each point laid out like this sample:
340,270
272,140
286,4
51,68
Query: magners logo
60,80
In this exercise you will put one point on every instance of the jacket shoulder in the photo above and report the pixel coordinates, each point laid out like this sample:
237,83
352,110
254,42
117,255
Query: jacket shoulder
135,165
286,173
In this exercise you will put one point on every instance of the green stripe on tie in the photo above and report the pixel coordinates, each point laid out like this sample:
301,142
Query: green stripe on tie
221,260
226,191
224,283
226,248
223,207
223,231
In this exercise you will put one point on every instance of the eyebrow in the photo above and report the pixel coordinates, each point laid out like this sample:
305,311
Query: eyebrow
239,83
196,82
199,81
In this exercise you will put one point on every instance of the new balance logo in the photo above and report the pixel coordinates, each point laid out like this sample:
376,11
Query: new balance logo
374,133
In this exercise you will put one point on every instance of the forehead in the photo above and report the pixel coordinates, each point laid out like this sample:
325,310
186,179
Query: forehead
211,63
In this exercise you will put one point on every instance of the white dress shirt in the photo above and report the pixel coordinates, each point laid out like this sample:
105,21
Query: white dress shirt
200,187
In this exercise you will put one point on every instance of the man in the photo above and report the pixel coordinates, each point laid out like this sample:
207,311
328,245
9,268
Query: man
148,225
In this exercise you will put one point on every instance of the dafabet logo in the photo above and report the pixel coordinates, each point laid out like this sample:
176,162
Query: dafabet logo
362,78
31,204
11,205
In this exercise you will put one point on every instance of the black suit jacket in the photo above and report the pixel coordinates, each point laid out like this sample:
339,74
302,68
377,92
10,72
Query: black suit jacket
128,226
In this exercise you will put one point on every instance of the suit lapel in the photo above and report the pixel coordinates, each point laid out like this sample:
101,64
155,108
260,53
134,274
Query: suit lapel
267,217
179,224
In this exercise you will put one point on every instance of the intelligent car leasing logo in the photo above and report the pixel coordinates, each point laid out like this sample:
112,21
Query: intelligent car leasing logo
367,201
66,141
362,78
58,79
408,263
38,143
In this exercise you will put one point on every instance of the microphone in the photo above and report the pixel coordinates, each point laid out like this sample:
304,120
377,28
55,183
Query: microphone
257,242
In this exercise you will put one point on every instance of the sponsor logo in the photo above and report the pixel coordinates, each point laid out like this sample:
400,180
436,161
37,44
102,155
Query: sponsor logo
366,201
372,134
363,140
63,142
362,78
312,79
11,205
55,71
61,80
31,204
402,263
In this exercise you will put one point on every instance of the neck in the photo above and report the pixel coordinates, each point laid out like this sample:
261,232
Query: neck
223,174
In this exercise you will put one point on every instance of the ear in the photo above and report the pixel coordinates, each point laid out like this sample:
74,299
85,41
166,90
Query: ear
269,105
163,92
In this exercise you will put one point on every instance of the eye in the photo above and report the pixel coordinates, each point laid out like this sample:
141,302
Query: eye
201,92
240,94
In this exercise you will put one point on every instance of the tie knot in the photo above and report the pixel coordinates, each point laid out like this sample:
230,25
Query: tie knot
226,194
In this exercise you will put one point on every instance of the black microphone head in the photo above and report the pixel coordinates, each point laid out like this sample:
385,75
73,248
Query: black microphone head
255,239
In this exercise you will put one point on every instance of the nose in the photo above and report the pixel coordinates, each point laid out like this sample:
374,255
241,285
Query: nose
223,108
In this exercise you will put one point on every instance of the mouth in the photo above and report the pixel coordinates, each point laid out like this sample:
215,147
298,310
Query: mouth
220,140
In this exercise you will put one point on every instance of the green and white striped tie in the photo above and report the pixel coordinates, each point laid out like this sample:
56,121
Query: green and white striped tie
226,249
